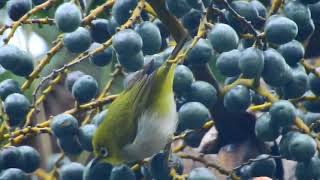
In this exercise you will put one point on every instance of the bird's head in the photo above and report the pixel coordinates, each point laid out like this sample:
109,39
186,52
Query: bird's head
105,148
106,154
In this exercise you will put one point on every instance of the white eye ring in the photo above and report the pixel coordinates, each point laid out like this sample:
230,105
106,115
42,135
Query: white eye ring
104,152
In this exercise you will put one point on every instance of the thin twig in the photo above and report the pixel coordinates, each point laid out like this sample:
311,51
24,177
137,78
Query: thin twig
35,73
220,169
94,13
41,21
39,100
16,137
24,18
250,161
59,44
247,24
276,4
310,68
85,55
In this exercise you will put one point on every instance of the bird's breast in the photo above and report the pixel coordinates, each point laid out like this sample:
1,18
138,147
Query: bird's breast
154,131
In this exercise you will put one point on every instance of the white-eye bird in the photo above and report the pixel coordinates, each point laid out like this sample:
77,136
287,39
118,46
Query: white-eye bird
141,120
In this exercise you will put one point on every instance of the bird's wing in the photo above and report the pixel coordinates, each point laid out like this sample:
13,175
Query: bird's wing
139,75
127,109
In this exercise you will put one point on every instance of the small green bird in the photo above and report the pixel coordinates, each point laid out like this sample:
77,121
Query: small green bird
141,120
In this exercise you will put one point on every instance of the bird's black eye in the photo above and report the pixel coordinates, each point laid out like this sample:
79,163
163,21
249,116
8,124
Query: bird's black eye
104,152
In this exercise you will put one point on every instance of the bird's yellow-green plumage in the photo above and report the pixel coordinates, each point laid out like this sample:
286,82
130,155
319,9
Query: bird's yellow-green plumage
140,121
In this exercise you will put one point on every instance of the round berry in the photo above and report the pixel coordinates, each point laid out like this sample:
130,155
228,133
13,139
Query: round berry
244,9
7,87
30,159
98,118
85,135
314,82
203,92
201,53
284,144
121,10
78,40
131,63
10,158
151,37
223,38
70,145
18,8
251,62
183,78
283,113
276,72
265,130
72,171
122,172
68,17
306,30
127,42
309,169
13,174
237,99
297,12
85,89
263,167
191,21
113,25
71,79
99,30
15,60
228,63
64,124
262,12
298,86
97,170
292,52
102,58
178,7
280,30
193,115
16,106
159,166
302,147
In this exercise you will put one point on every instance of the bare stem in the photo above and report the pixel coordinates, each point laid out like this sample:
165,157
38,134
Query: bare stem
94,13
24,18
85,55
250,161
310,68
39,100
16,137
46,60
220,169
276,4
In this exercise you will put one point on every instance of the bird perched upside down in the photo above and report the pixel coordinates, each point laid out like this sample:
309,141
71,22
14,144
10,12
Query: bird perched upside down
141,120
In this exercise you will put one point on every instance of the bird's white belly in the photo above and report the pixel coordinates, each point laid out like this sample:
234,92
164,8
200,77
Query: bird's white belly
154,131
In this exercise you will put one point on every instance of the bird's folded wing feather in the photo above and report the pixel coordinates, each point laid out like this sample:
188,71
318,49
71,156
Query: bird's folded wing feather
127,109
